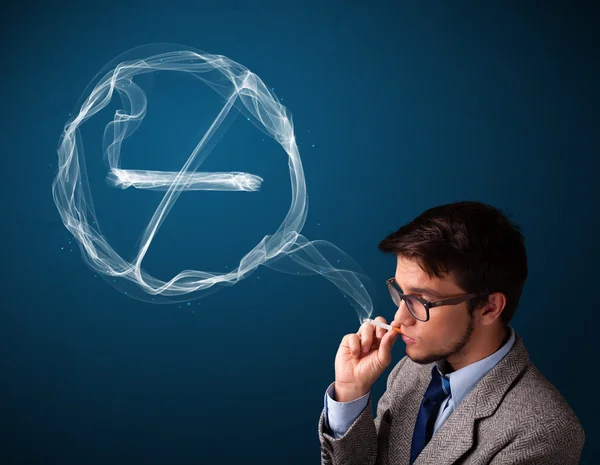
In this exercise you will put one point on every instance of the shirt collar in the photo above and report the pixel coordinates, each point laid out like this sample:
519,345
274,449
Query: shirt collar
462,381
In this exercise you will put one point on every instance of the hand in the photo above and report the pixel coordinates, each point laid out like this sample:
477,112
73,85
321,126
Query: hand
361,358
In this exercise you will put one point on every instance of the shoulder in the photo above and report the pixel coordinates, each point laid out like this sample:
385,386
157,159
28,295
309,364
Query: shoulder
523,394
532,421
533,404
533,389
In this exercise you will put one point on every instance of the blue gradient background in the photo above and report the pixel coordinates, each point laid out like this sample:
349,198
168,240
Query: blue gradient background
407,107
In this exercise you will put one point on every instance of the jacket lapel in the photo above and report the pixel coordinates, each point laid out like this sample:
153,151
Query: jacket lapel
412,386
456,435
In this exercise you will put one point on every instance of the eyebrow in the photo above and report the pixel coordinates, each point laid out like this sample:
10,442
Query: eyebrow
421,290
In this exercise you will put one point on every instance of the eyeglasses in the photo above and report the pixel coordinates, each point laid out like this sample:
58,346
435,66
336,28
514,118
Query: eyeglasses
418,307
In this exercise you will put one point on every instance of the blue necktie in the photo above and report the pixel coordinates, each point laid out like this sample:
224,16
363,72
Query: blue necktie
438,390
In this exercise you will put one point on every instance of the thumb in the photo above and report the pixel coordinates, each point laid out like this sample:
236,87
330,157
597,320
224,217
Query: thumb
384,354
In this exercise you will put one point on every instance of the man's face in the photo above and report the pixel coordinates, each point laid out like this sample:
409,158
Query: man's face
450,327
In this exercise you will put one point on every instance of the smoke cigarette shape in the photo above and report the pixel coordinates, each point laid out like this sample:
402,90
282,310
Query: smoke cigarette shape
286,250
162,180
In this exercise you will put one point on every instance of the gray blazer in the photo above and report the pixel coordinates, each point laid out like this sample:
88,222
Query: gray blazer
513,416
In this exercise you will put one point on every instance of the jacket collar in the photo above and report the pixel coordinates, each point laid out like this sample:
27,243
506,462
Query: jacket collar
455,436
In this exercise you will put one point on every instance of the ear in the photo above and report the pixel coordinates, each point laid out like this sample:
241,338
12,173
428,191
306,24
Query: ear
492,309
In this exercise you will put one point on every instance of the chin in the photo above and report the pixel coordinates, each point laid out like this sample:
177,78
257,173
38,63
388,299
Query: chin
423,359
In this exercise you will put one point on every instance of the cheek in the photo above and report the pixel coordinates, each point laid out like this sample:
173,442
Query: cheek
446,324
444,318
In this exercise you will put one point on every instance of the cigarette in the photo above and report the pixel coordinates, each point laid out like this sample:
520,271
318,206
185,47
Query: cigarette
382,325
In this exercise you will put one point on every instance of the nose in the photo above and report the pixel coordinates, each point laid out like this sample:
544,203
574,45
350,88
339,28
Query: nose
403,317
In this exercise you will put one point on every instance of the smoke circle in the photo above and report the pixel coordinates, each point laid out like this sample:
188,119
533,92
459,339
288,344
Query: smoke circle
285,250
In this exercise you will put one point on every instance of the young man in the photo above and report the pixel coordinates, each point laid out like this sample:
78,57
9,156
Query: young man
466,391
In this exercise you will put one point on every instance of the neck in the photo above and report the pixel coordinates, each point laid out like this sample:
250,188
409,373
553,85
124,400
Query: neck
483,342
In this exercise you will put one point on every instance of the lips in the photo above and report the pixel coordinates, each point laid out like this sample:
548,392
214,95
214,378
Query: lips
408,341
407,336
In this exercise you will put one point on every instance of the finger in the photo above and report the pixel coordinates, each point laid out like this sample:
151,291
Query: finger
385,347
354,344
365,333
380,331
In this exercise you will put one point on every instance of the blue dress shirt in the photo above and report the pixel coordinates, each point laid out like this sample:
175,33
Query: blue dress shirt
339,416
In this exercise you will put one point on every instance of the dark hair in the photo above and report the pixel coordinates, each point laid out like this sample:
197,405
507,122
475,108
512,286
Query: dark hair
475,241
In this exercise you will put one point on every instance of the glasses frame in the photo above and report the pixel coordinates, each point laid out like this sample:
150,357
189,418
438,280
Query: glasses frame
426,303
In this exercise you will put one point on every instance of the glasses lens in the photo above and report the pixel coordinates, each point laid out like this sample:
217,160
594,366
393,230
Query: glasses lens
416,308
395,295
